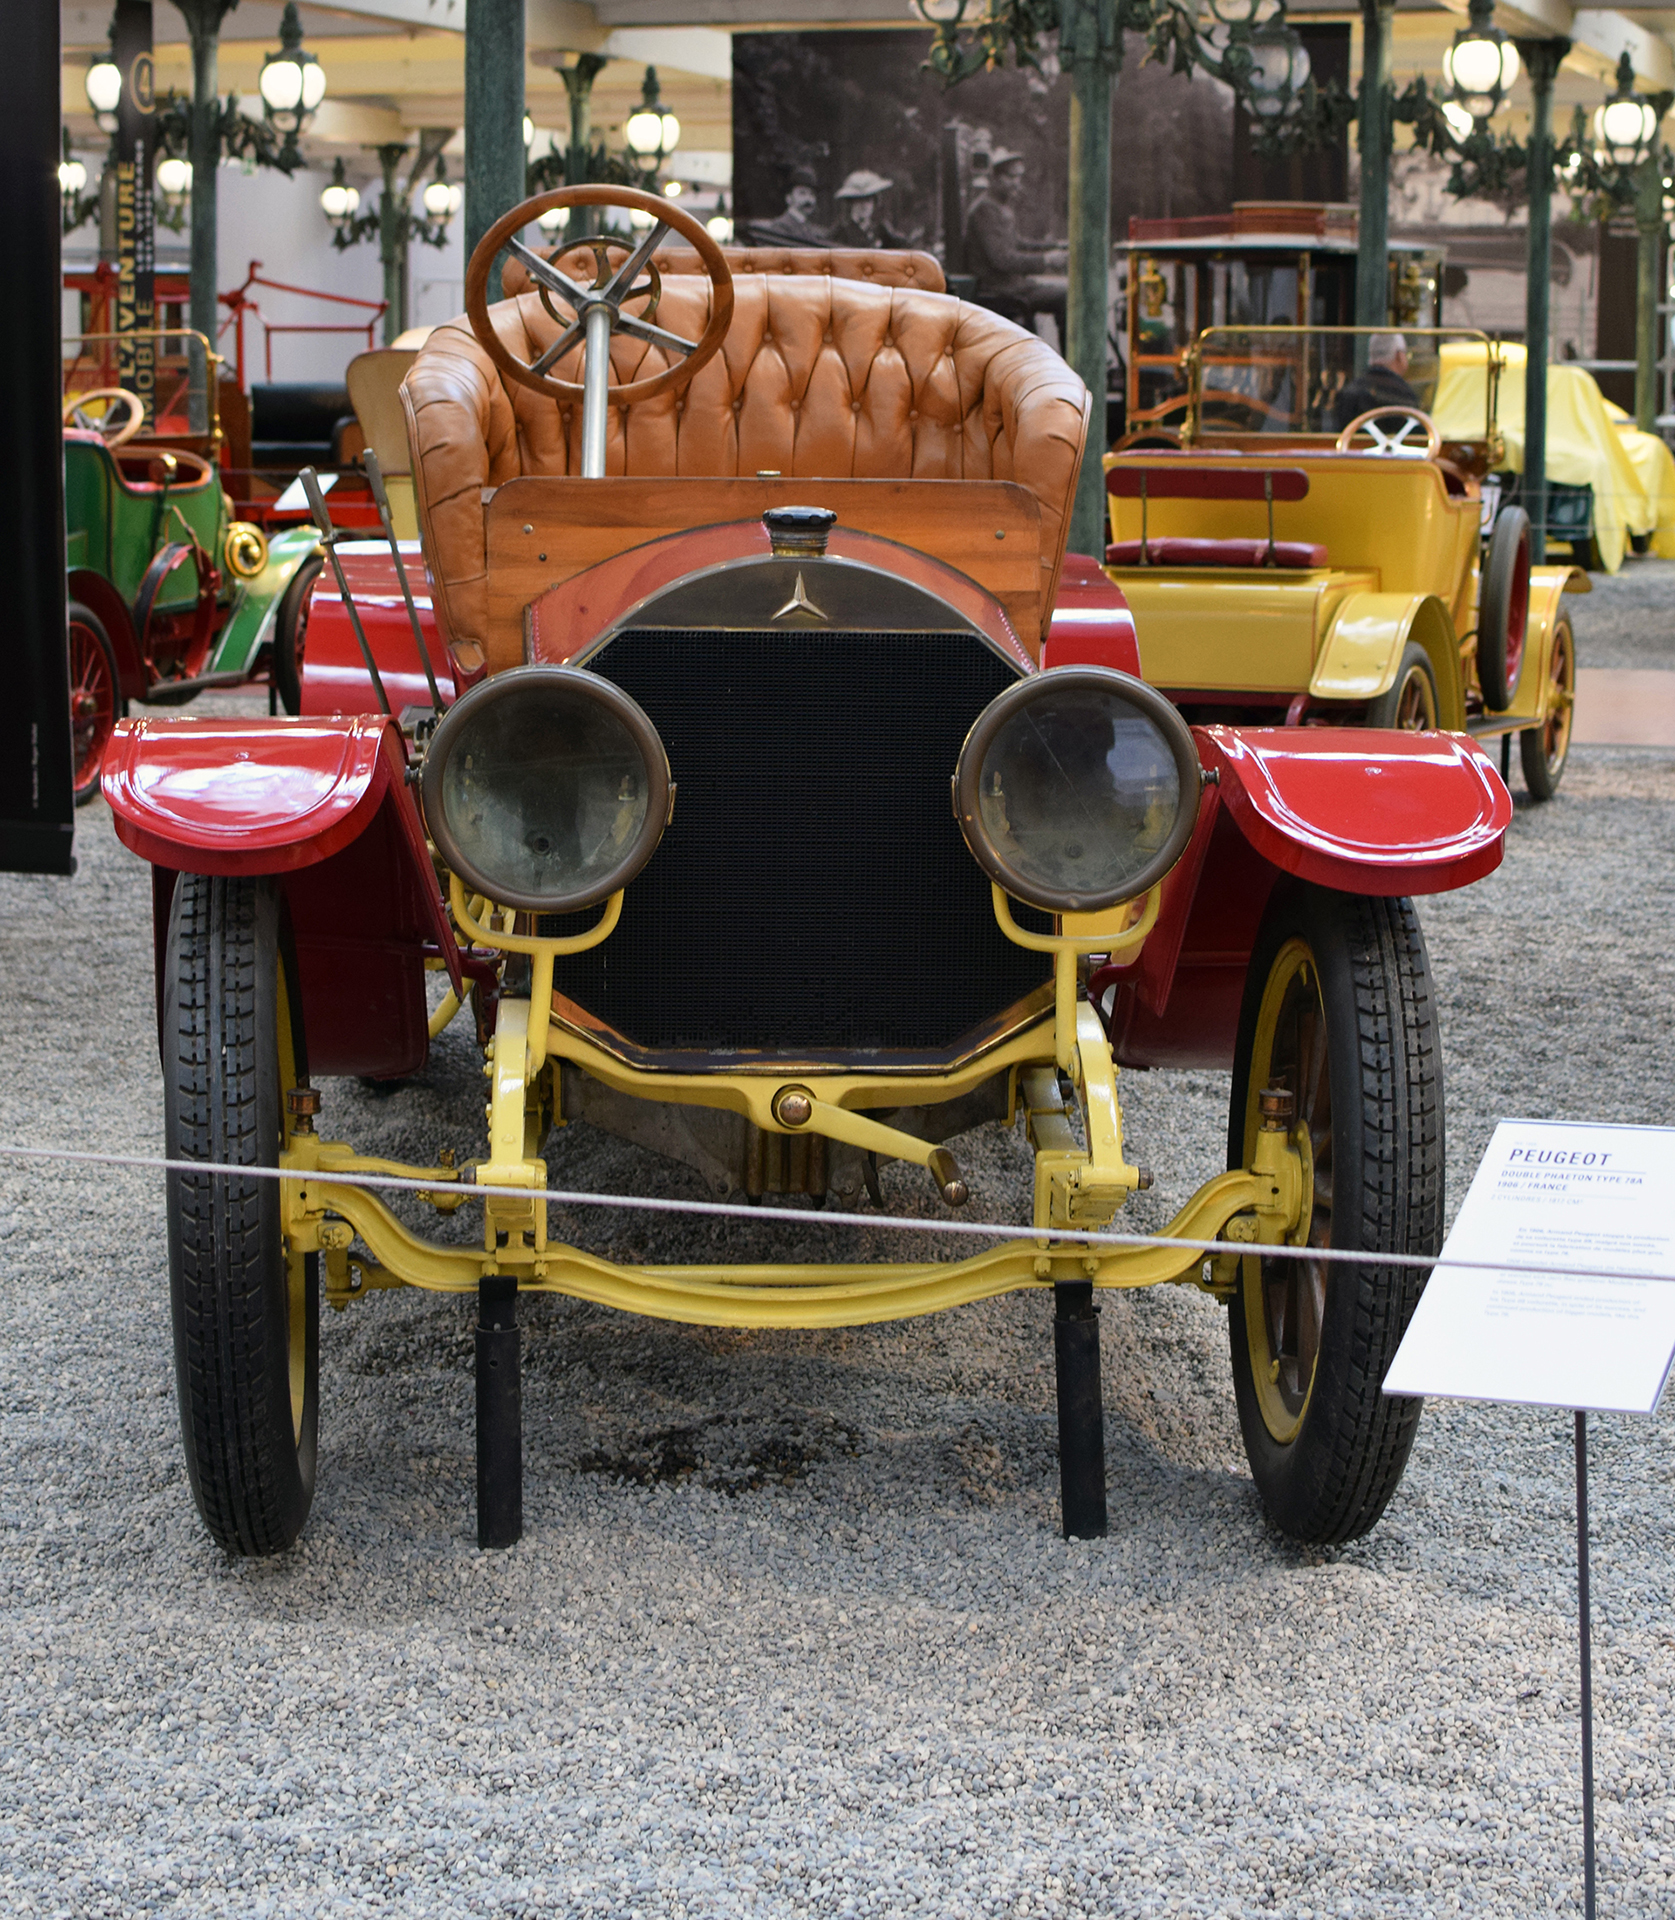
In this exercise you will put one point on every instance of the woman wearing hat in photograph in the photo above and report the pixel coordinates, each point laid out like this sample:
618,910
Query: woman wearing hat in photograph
859,222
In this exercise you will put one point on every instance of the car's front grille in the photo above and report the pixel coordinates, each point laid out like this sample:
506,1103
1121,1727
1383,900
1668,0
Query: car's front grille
813,893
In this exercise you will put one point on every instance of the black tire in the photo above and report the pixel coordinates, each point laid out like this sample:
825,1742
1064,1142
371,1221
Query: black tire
1410,701
1503,605
290,633
96,699
246,1317
1326,1447
1545,749
1585,553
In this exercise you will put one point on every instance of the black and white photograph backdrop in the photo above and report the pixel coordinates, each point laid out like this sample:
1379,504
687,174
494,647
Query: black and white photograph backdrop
825,124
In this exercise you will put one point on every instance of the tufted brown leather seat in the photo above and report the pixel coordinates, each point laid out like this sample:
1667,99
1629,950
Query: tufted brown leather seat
818,377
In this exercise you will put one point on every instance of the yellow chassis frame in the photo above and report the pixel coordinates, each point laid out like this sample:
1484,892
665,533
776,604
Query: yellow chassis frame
1076,1187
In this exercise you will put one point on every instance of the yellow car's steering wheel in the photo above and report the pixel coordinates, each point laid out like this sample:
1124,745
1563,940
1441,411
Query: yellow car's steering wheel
1392,445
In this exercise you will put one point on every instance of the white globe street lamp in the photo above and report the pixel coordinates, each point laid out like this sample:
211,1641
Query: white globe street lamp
174,177
1279,69
1482,64
104,92
339,201
1626,126
652,132
292,82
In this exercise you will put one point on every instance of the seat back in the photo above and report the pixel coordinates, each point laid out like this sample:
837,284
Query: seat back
882,266
374,382
819,377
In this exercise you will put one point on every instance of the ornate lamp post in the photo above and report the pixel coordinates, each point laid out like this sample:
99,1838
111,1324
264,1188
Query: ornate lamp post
1628,168
392,221
339,201
1244,43
1482,64
292,82
652,131
104,92
78,204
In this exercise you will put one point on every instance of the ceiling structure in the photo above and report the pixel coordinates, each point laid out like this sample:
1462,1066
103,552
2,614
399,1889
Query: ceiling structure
394,66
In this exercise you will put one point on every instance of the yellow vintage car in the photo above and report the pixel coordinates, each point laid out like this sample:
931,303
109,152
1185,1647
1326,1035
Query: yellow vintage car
1299,555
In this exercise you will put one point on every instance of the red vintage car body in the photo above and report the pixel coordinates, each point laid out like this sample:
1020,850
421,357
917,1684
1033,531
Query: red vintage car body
324,801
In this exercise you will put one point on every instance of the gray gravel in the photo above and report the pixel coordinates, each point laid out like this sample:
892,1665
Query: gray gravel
1629,618
792,1631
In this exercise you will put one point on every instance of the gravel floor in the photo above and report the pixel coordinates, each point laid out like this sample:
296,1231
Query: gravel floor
1629,619
792,1631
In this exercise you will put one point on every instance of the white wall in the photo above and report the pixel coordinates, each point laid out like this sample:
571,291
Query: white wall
265,216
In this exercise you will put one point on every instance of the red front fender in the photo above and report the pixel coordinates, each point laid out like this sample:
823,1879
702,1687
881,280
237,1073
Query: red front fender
1348,808
245,795
325,806
1360,810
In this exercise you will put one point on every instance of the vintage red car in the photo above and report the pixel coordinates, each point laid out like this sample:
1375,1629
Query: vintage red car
792,803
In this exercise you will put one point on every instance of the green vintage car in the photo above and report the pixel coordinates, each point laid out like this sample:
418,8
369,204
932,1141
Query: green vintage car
169,593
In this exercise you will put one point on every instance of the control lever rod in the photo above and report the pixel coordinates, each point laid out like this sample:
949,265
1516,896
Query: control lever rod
328,537
375,474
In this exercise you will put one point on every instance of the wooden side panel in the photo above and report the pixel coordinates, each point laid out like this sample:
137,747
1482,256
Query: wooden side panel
543,530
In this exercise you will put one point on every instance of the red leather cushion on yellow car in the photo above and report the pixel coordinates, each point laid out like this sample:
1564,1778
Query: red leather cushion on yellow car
1176,550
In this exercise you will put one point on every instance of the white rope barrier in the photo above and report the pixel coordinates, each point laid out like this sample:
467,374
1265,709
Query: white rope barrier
804,1217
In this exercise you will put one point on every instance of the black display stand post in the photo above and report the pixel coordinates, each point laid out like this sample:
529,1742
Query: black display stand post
1585,1625
1081,1408
37,811
499,1414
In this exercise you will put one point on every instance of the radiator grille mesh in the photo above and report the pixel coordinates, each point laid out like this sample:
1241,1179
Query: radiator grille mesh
812,892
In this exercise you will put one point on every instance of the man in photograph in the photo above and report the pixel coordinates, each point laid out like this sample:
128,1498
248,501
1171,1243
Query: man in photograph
860,224
1383,384
1005,263
794,227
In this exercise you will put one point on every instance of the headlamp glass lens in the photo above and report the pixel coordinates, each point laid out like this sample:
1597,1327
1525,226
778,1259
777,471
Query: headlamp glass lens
1079,794
546,795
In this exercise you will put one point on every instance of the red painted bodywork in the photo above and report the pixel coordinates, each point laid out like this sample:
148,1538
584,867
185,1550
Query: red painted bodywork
1292,801
1091,624
323,804
334,677
1343,807
570,616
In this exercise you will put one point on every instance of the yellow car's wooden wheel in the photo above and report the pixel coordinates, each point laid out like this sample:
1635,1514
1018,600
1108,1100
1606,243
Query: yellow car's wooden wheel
1544,749
1339,1012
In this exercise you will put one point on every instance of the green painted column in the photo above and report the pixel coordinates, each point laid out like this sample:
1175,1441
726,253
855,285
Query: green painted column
1090,45
494,155
1541,61
578,156
203,24
392,236
1648,221
1372,252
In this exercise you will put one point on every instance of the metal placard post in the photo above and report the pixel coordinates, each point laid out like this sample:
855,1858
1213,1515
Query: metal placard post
1582,1317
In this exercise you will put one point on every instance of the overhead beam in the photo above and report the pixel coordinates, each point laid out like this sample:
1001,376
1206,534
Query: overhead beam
700,50
1598,36
1608,34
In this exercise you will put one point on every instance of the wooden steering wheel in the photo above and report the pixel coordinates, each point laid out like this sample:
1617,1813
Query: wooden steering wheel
595,312
126,409
1392,445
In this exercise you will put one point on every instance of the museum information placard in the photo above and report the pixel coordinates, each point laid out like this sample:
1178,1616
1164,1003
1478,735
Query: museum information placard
1579,1202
